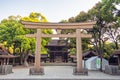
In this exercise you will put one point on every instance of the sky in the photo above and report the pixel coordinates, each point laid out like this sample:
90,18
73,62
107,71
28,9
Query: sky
53,10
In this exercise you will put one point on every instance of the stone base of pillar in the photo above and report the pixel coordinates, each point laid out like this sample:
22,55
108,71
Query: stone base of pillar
5,69
81,72
33,71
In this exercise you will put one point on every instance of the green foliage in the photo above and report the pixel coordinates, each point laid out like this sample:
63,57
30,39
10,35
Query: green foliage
83,16
72,19
63,21
9,29
26,44
85,43
13,32
35,17
105,14
17,50
38,17
73,51
108,50
107,24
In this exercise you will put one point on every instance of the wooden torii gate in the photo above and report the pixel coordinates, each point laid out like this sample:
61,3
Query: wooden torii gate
78,35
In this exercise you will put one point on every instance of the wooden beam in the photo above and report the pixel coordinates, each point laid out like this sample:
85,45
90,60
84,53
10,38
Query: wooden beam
85,35
38,25
60,35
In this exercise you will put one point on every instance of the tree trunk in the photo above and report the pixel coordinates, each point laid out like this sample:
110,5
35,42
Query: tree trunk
116,45
25,59
21,58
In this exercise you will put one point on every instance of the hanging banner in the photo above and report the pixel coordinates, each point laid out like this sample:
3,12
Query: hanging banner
98,62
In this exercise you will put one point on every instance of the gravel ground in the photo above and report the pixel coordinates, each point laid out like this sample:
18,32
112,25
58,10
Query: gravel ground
56,73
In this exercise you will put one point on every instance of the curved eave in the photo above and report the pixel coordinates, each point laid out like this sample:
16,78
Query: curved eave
116,52
8,56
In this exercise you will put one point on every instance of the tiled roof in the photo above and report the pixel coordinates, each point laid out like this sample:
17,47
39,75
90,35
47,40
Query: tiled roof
5,54
57,43
116,52
88,53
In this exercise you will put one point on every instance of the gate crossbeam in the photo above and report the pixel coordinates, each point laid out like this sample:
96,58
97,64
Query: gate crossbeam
60,35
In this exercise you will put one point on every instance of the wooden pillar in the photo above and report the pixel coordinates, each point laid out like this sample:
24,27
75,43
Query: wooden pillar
79,50
7,61
37,70
4,61
38,50
119,60
13,62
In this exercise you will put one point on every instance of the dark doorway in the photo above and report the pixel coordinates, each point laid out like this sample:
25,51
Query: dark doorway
58,51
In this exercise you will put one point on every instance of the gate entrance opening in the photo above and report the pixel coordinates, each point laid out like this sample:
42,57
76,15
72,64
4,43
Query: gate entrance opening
78,35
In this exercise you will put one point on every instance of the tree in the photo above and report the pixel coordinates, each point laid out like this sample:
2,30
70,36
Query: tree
107,17
13,32
103,13
81,17
108,50
38,17
26,47
72,19
9,29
